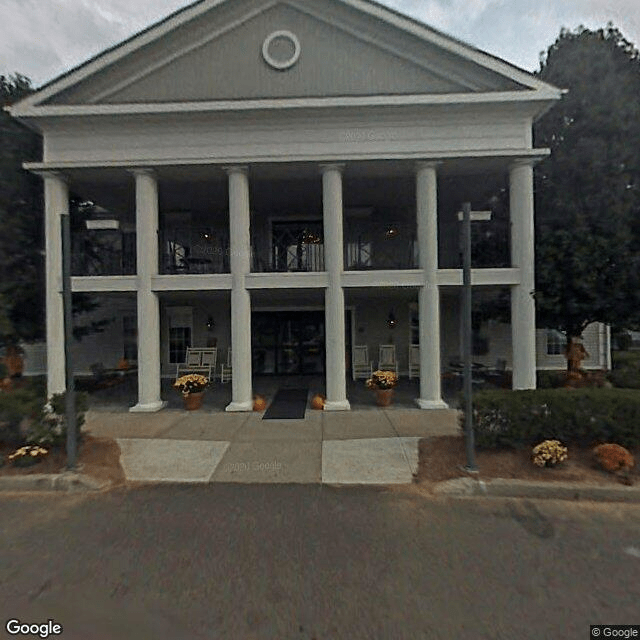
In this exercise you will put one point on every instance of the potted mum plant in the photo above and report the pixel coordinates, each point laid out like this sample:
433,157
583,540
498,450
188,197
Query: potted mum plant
383,383
192,387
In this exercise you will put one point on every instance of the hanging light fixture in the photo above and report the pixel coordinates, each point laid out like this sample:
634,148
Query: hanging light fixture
391,232
391,320
309,237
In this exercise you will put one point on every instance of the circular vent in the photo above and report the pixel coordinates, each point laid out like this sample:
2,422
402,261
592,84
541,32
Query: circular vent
281,50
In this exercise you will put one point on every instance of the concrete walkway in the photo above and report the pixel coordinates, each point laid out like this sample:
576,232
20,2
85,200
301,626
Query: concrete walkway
352,447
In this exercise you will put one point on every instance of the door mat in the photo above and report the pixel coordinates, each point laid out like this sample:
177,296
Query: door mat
288,404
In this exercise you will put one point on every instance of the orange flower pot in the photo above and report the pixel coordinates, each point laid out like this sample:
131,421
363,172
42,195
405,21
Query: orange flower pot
384,397
193,401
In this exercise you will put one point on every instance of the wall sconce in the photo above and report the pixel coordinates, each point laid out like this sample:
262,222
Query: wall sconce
210,323
391,320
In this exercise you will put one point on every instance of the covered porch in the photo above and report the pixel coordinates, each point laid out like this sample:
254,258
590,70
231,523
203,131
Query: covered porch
122,397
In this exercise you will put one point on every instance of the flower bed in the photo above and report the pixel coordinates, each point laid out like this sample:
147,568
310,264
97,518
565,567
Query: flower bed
441,458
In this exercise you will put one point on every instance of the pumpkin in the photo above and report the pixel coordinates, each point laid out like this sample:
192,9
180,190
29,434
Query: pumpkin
317,402
259,403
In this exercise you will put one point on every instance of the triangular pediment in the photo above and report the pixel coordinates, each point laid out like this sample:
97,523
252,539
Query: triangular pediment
229,50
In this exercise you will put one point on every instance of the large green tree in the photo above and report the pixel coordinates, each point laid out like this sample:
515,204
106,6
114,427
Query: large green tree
22,269
588,190
21,223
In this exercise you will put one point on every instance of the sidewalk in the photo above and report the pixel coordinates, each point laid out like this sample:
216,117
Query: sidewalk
351,447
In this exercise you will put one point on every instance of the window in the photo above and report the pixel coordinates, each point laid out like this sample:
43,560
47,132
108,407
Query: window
130,338
556,342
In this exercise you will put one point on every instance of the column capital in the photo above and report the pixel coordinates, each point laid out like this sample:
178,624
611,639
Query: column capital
516,163
52,174
143,172
332,166
427,164
230,169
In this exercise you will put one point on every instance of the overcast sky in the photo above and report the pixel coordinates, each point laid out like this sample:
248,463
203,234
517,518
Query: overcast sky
43,38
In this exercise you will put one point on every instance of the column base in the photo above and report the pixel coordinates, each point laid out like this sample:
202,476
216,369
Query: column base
337,405
431,404
152,407
239,406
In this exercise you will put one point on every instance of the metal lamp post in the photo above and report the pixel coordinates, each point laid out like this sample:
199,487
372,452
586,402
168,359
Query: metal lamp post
70,395
466,216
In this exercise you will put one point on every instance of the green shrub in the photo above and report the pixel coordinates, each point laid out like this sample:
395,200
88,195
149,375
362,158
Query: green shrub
579,416
50,430
550,379
625,375
15,406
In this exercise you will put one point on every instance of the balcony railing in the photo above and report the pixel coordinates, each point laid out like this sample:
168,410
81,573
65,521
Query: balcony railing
103,252
294,248
187,250
490,247
380,246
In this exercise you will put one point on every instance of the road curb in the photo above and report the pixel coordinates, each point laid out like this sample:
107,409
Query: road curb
504,488
68,481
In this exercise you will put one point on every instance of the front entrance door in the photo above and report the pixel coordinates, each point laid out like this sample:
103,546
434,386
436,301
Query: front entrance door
288,342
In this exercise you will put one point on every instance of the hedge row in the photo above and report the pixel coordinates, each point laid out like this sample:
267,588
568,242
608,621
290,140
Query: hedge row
578,416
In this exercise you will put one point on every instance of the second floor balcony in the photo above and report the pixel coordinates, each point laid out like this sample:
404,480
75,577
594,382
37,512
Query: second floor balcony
189,251
380,246
294,247
103,253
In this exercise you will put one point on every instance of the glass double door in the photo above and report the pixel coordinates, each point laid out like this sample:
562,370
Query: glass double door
288,343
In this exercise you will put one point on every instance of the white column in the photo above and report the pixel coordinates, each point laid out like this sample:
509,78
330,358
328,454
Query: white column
240,262
149,394
334,295
56,201
523,311
429,293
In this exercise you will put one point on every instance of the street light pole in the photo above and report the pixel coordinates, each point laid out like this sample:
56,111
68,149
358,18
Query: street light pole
70,395
467,328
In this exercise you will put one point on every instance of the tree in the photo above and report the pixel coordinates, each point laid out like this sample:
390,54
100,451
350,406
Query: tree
588,190
21,223
22,269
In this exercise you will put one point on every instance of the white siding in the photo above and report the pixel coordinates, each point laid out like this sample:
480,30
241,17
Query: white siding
293,135
499,335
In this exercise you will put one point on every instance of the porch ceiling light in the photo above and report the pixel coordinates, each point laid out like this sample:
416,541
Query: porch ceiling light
308,237
391,320
391,232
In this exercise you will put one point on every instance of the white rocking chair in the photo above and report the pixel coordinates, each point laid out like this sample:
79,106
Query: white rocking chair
226,370
414,361
201,361
361,366
387,358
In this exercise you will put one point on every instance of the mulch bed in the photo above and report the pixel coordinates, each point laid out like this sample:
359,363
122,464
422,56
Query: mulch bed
442,457
97,457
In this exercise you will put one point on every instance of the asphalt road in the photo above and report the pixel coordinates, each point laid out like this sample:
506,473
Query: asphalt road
303,562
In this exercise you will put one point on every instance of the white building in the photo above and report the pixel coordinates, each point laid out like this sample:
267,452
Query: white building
286,177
